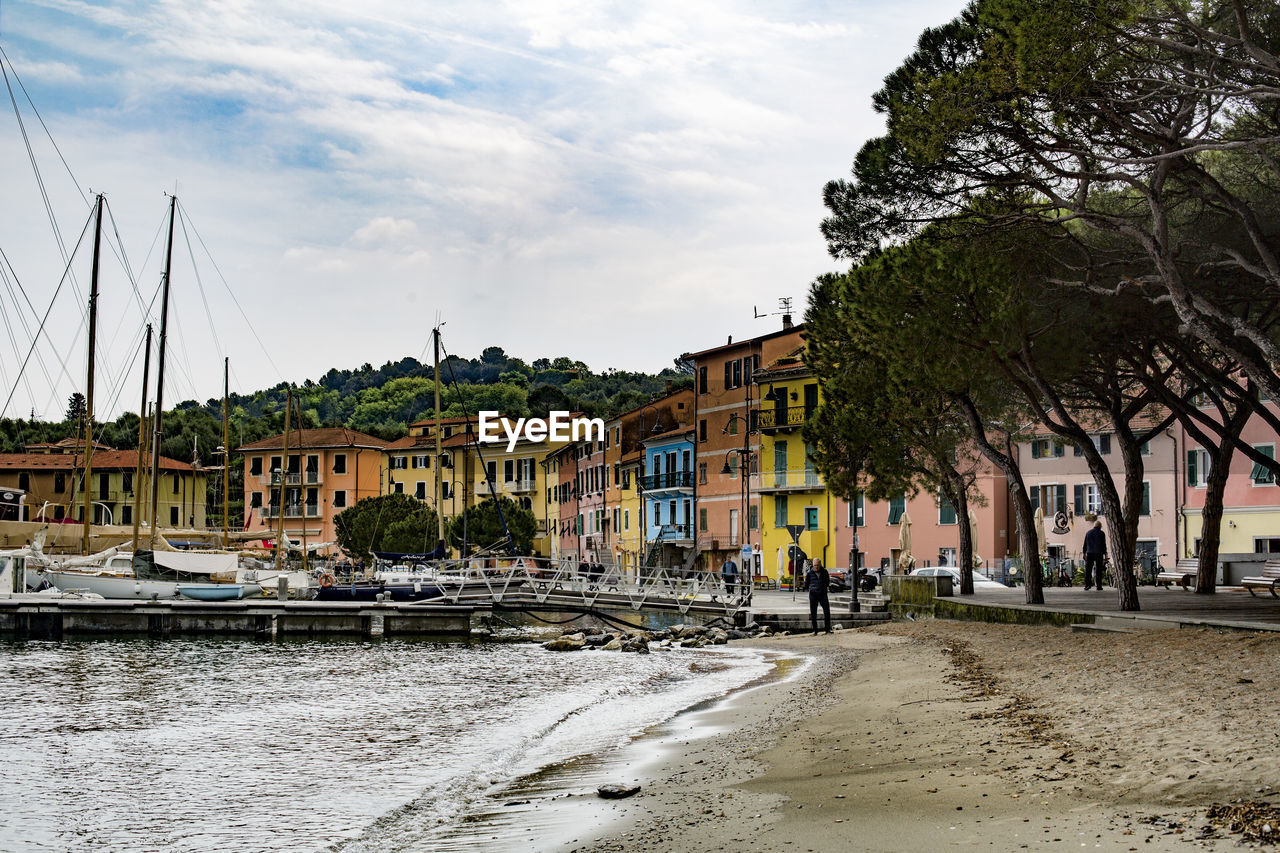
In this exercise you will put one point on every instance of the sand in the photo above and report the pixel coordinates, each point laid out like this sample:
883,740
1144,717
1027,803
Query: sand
933,734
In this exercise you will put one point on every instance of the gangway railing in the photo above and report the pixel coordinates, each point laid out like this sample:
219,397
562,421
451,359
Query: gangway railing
530,581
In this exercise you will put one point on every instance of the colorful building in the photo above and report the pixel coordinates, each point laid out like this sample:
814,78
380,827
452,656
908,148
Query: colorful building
668,485
327,470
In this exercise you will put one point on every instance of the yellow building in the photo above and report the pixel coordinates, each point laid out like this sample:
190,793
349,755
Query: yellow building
630,552
792,494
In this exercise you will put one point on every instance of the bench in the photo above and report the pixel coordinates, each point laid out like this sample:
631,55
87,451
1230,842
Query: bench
1268,580
1184,576
764,582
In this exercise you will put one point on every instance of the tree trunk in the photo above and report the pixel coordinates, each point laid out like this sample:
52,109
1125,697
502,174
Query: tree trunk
1211,515
961,502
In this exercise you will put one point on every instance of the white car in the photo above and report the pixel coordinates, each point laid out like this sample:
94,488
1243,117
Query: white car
980,581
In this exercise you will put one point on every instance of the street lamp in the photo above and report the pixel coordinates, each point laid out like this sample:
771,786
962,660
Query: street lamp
644,533
744,454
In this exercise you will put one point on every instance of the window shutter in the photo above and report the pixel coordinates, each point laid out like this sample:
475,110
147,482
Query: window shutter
1076,451
1034,494
1079,495
1104,443
1193,473
1061,503
1146,499
1035,450
728,374
1059,449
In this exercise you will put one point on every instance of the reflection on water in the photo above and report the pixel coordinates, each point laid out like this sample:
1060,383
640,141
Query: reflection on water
216,744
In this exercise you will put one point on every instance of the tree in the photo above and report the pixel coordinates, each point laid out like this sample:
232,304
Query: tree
486,525
76,408
394,522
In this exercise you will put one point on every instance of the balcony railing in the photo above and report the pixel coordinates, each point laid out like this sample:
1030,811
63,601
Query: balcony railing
787,418
800,478
292,478
669,480
522,485
675,531
292,511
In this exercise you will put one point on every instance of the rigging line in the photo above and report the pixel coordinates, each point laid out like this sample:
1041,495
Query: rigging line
35,339
124,256
137,350
13,338
45,127
232,294
35,167
217,342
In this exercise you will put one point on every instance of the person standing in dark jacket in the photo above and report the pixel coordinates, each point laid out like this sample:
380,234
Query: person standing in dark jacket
1095,550
816,580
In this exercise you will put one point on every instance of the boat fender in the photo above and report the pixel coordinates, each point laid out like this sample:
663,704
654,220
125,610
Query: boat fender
326,580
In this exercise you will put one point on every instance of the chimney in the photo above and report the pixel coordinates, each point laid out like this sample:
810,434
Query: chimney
786,321
668,386
730,340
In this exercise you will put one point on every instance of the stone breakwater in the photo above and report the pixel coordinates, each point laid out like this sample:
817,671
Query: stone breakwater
684,636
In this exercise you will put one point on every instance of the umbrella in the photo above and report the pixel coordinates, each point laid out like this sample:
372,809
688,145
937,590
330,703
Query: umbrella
782,561
904,543
1040,532
973,539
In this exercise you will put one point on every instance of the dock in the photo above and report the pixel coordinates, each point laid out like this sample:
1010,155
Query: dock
262,618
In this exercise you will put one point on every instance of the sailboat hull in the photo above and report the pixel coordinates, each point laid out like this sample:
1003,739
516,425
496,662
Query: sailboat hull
112,586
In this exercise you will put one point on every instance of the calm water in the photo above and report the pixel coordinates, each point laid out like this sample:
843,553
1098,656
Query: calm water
216,745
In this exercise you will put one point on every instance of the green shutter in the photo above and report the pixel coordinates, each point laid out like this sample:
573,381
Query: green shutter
1079,498
897,506
1146,499
1059,449
1035,450
780,511
1193,473
946,511
1034,494
1261,474
1060,505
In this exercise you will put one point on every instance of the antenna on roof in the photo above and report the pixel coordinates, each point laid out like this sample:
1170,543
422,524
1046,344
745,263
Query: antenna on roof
784,308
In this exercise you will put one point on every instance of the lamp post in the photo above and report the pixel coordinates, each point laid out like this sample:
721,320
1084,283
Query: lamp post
744,497
453,497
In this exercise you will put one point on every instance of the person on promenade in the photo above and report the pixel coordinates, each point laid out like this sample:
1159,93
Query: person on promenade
816,580
1095,550
729,574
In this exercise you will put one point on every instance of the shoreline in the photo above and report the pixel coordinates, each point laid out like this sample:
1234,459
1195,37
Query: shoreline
922,735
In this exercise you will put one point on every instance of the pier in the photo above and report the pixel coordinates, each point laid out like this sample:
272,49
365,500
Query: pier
265,618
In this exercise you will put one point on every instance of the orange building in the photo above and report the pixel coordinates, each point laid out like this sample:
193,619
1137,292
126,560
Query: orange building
327,471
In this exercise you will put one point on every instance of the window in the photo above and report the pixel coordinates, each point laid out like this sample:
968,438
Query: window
1087,499
177,484
126,514
702,430
508,470
702,383
126,482
702,519
753,517
339,463
657,514
733,467
1145,448
400,463
780,511
422,462
24,481
255,499
1261,474
275,463
1146,498
491,472
626,519
811,518
1197,468
702,473
340,499
1265,545
946,511
897,506
399,488
1103,443
1043,448
733,426
421,491
59,482
858,512
173,516
255,466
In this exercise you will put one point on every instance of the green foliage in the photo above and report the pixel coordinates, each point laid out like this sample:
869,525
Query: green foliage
483,526
76,407
394,522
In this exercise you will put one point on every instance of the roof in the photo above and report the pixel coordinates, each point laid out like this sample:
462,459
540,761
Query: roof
115,459
671,433
308,439
71,443
1097,422
443,421
742,343
788,365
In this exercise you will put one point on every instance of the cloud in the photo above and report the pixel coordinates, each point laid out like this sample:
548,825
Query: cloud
386,231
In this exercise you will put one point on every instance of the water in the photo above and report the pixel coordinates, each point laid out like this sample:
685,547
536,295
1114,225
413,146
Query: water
355,746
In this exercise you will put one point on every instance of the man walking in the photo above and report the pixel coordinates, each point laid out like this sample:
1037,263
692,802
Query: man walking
816,580
1095,550
729,574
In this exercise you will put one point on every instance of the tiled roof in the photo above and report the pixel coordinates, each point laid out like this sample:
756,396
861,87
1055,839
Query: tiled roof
746,341
671,433
69,443
310,439
1096,422
126,460
443,421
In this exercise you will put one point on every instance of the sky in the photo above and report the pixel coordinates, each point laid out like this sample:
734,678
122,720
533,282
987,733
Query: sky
615,182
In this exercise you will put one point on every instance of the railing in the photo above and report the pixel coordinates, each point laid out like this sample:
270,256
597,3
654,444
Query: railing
791,416
675,531
292,511
669,480
798,478
521,485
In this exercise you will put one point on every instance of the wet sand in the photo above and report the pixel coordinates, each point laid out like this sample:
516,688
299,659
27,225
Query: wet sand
924,735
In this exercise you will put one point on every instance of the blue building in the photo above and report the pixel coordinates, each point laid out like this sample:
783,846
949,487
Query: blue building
668,485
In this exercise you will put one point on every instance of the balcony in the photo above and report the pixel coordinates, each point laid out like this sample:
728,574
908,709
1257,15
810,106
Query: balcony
675,533
518,486
777,419
672,481
794,480
292,511
292,478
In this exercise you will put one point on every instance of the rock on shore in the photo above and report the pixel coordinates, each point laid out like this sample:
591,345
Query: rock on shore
687,636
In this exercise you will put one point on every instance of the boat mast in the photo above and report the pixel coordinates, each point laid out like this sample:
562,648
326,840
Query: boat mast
284,476
158,430
435,335
87,489
302,493
226,448
142,441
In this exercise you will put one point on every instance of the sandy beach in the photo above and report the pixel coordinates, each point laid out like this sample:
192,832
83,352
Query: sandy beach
916,736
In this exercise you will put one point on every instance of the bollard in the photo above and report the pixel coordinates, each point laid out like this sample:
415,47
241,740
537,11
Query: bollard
282,587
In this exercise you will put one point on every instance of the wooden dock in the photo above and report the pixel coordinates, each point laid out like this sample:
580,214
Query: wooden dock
265,618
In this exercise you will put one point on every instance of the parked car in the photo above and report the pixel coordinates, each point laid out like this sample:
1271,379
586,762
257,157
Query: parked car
980,581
